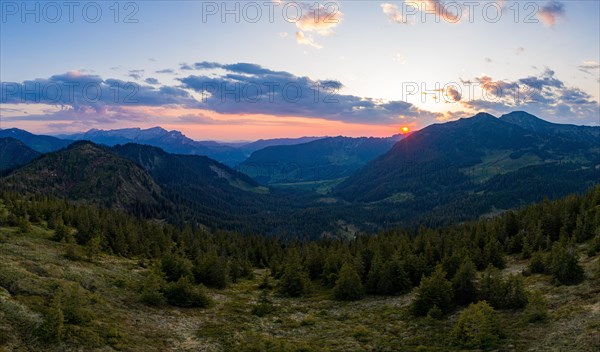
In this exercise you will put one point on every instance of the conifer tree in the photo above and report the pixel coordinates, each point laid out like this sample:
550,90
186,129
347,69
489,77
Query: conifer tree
477,327
463,283
434,290
348,286
294,282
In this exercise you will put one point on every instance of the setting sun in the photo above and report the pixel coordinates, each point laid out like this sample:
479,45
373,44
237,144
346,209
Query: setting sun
405,129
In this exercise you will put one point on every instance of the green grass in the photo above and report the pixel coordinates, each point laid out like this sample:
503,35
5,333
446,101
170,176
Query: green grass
32,267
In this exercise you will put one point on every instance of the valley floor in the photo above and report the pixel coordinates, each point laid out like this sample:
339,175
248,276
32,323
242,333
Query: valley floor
32,266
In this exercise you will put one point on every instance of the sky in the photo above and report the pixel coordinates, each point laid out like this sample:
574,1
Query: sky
244,70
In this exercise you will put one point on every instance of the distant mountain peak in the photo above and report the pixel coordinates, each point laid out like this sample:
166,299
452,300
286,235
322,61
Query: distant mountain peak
483,116
524,119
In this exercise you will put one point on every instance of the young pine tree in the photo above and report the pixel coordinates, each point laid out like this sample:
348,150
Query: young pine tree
348,286
564,265
294,282
434,290
477,327
463,283
393,279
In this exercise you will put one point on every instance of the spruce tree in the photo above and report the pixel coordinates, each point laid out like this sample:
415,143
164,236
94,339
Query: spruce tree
348,286
477,327
564,265
294,282
434,290
463,283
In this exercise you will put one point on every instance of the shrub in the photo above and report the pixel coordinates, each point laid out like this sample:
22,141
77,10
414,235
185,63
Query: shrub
212,271
294,282
477,327
537,308
537,264
52,328
264,305
435,313
72,252
183,294
564,265
434,290
175,267
348,286
151,291
501,293
515,295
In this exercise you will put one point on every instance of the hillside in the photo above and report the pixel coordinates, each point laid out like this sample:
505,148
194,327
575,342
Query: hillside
202,189
56,294
320,160
473,166
91,173
13,153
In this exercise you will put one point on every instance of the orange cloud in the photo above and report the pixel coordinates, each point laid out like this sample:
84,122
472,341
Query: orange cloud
321,19
307,40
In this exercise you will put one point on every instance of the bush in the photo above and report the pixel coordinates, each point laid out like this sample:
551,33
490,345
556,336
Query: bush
294,282
537,264
434,290
152,287
264,305
477,327
212,271
501,293
175,267
72,252
52,328
537,308
515,295
183,294
348,286
564,265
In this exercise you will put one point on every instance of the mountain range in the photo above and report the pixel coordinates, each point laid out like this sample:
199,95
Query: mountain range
176,142
447,172
39,143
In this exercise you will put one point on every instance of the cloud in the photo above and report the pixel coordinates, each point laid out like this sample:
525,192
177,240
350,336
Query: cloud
393,13
205,65
437,7
251,89
318,18
589,66
399,58
314,19
519,50
453,93
307,40
166,71
136,74
551,13
185,67
83,92
235,89
543,95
